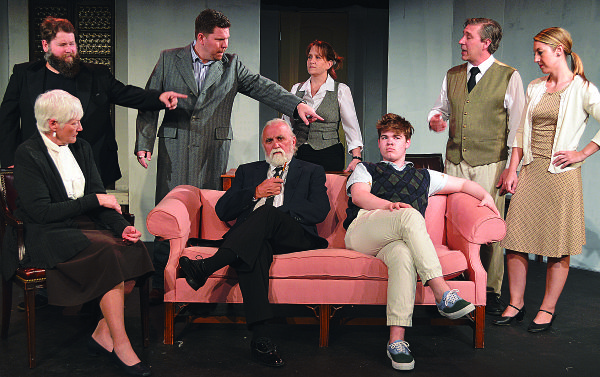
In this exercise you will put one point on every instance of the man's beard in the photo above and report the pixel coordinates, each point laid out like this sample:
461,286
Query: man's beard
65,68
279,159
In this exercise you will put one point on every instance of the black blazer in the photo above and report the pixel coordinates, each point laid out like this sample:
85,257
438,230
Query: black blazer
304,199
97,89
51,235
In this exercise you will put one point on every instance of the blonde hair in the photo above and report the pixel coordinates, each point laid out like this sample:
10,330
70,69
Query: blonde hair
557,36
58,105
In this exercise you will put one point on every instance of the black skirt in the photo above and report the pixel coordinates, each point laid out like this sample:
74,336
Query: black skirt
97,269
331,158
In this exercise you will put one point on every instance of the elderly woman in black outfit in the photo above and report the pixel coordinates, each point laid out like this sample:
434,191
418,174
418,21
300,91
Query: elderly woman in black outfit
74,229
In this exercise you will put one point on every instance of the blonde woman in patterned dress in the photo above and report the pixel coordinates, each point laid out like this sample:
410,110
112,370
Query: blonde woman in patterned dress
545,216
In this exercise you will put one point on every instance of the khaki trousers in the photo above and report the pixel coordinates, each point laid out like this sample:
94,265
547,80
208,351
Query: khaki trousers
400,239
492,256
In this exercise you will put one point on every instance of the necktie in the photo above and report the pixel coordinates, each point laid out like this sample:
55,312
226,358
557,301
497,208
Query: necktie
471,84
271,199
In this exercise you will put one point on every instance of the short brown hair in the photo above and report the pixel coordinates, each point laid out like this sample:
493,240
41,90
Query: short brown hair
208,20
490,29
51,26
396,123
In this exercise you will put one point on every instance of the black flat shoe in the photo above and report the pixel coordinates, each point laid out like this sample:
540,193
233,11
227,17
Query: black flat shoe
505,321
194,272
95,349
265,352
539,327
139,369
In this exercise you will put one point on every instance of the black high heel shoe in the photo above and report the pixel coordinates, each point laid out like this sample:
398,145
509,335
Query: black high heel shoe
139,369
505,321
539,327
95,349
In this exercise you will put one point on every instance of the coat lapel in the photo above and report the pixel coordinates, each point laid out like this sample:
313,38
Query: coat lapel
46,163
261,172
291,181
185,68
214,72
84,87
35,80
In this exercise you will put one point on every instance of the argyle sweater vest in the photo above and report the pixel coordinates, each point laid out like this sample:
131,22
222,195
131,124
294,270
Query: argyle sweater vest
410,186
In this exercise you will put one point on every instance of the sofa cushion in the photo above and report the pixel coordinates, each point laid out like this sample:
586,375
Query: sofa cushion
335,264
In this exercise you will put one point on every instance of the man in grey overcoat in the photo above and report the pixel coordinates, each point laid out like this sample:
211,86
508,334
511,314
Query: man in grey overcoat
194,139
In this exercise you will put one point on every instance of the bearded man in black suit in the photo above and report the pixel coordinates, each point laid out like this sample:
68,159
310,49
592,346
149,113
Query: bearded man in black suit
277,204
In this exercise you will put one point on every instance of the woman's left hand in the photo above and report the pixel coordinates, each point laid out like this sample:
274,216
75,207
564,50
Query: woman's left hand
130,234
566,158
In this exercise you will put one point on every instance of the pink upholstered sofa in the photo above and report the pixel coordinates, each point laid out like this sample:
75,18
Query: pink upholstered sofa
330,277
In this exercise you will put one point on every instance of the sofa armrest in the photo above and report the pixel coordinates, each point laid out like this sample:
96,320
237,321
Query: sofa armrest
175,218
174,215
467,227
476,224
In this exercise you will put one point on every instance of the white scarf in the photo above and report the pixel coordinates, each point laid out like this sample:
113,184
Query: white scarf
67,166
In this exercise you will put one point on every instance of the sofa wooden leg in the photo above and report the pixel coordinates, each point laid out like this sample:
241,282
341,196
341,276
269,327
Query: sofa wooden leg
324,320
479,330
169,322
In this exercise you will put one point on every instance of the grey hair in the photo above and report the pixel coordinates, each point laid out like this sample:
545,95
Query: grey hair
58,105
275,121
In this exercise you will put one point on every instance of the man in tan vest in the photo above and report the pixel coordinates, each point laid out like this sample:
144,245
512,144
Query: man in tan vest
481,100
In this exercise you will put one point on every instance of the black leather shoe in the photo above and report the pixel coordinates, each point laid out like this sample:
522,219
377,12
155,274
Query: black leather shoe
494,305
539,327
505,321
139,369
265,352
194,272
95,349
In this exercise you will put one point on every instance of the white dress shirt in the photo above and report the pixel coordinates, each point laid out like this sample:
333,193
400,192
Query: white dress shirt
346,103
514,100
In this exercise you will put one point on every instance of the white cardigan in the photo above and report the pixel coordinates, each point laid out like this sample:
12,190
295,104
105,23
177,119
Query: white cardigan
577,103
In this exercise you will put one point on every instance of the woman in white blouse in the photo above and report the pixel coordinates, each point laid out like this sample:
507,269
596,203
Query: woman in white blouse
74,229
319,142
545,216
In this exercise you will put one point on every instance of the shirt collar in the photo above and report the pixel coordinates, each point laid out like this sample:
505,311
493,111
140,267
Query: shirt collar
195,56
329,85
50,144
399,168
483,66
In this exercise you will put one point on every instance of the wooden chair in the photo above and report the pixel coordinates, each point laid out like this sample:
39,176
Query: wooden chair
30,279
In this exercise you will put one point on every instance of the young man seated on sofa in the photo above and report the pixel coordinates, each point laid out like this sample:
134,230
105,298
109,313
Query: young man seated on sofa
386,219
277,204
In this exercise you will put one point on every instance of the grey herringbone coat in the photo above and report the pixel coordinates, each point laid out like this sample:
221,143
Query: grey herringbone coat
195,138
